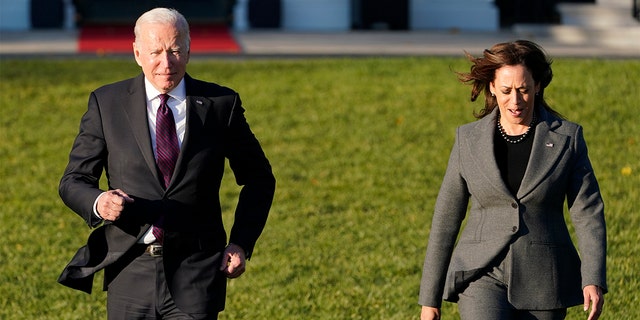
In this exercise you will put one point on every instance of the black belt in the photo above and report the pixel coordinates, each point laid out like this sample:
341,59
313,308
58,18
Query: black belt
154,250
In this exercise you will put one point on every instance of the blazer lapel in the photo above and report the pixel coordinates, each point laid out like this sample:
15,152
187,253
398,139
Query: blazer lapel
197,109
548,147
480,146
137,114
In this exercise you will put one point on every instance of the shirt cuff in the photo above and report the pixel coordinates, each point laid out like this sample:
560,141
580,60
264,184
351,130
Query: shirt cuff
95,206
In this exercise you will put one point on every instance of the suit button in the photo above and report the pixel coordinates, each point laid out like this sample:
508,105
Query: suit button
514,229
514,205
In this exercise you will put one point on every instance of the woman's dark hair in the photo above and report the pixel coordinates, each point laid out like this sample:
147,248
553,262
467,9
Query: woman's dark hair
520,52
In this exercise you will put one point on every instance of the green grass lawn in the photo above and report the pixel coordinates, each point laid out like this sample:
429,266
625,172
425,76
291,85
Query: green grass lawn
358,146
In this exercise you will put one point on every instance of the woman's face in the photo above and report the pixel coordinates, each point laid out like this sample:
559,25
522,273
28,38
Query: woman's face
515,91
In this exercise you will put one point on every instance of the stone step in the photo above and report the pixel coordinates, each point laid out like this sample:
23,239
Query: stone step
618,36
602,15
615,3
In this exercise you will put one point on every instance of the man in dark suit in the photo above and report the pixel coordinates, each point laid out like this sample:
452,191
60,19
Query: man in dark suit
162,139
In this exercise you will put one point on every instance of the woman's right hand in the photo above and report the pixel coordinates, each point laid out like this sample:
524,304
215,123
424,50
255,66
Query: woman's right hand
430,313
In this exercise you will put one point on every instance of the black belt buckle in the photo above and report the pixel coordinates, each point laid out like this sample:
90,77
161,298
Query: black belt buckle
155,250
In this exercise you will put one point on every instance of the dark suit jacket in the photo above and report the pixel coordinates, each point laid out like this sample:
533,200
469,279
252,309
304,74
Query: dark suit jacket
114,136
545,272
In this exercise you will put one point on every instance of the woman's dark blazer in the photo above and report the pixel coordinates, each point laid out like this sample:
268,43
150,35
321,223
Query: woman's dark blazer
546,271
114,136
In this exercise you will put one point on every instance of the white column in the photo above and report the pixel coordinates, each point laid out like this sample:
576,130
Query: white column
316,15
15,14
241,15
69,15
475,15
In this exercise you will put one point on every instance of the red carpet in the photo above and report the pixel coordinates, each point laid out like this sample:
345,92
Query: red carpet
119,39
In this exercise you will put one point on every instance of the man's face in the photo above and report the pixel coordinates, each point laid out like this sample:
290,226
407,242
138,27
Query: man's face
163,55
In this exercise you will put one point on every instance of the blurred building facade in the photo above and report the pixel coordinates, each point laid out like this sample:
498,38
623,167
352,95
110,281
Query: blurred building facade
290,15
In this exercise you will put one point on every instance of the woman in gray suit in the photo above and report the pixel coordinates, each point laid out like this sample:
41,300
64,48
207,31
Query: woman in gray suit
516,166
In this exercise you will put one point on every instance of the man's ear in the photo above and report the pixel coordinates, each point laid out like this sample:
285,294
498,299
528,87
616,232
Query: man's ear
136,54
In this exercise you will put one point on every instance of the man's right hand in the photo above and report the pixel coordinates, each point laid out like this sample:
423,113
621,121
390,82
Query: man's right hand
111,204
430,313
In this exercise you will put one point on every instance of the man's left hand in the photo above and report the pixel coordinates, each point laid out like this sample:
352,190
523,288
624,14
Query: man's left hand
233,261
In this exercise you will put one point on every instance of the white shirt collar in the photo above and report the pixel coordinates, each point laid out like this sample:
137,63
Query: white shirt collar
179,92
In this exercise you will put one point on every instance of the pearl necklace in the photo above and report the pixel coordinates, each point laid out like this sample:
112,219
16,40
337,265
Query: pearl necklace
508,138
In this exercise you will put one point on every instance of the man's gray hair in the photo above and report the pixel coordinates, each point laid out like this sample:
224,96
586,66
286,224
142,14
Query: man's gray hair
165,16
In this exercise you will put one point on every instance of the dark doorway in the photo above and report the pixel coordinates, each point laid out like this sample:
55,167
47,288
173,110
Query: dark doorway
380,14
127,11
527,11
47,14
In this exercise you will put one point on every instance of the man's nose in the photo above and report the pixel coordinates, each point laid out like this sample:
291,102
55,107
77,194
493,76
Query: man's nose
165,59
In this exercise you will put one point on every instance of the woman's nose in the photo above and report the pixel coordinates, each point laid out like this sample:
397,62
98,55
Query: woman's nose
517,96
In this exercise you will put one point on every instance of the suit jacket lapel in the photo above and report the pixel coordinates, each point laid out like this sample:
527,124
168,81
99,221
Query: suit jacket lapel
547,149
139,123
480,145
197,109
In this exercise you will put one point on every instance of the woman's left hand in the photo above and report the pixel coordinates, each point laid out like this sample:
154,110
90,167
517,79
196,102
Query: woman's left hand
593,297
